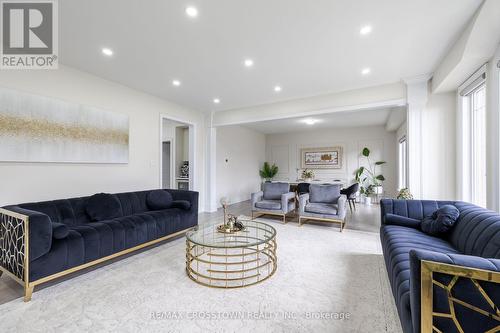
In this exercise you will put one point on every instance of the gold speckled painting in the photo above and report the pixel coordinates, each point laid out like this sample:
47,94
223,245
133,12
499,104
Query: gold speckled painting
41,129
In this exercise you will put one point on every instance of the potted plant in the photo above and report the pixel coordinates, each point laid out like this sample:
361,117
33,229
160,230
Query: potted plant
404,194
268,171
370,181
307,175
367,193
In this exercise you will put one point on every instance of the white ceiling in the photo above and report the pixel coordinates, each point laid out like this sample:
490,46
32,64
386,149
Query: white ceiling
307,47
359,118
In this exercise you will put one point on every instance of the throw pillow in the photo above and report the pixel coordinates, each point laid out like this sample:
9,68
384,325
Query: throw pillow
59,230
103,206
440,221
159,199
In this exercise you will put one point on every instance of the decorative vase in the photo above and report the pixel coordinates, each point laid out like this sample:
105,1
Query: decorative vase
308,180
185,169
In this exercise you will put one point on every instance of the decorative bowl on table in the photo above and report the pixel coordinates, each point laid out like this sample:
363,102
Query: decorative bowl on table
231,226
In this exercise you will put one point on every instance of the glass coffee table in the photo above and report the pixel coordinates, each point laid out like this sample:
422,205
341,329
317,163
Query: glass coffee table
223,260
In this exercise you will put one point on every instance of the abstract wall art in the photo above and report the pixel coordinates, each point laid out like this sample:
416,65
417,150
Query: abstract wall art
42,129
322,158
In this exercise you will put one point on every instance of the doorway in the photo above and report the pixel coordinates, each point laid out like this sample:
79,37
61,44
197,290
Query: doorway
166,166
177,160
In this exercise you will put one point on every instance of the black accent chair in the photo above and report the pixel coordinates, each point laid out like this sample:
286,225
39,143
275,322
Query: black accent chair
303,188
350,193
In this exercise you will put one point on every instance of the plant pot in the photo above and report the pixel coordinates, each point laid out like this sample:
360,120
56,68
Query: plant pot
368,200
308,180
378,189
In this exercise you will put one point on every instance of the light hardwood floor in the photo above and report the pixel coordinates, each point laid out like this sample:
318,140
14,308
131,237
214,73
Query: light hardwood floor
364,218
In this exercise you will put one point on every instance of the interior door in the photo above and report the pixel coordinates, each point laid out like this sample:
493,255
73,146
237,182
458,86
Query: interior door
166,165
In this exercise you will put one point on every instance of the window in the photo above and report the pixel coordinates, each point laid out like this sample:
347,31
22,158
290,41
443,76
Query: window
474,139
403,163
478,144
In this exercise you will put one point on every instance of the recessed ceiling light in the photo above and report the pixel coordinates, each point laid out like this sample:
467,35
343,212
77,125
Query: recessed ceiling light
277,88
248,62
216,100
365,30
108,52
192,11
366,71
176,83
310,121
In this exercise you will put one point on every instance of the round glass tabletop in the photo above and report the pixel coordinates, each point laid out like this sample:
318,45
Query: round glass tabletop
254,233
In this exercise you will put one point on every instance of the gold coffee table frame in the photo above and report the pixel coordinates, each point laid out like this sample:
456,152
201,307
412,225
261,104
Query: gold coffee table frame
236,260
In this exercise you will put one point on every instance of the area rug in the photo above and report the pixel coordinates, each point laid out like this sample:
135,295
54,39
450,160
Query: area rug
326,281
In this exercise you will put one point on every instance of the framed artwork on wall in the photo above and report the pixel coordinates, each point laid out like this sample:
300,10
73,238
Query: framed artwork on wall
43,129
322,158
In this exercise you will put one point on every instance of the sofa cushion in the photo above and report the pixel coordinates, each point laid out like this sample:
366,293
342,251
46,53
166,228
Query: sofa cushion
64,254
477,231
59,230
59,211
181,204
324,193
103,206
321,208
273,191
159,199
440,221
394,219
269,204
415,209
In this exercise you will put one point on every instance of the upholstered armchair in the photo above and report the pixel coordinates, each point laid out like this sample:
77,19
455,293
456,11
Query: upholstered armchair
274,199
323,203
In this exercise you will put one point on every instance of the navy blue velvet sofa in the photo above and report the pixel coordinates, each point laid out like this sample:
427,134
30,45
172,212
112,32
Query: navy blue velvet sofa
471,246
65,235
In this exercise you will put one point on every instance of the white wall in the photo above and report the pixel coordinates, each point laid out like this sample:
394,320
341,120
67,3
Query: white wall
23,182
284,150
245,151
402,131
439,147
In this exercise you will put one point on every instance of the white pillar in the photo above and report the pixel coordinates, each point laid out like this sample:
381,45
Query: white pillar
211,163
416,96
